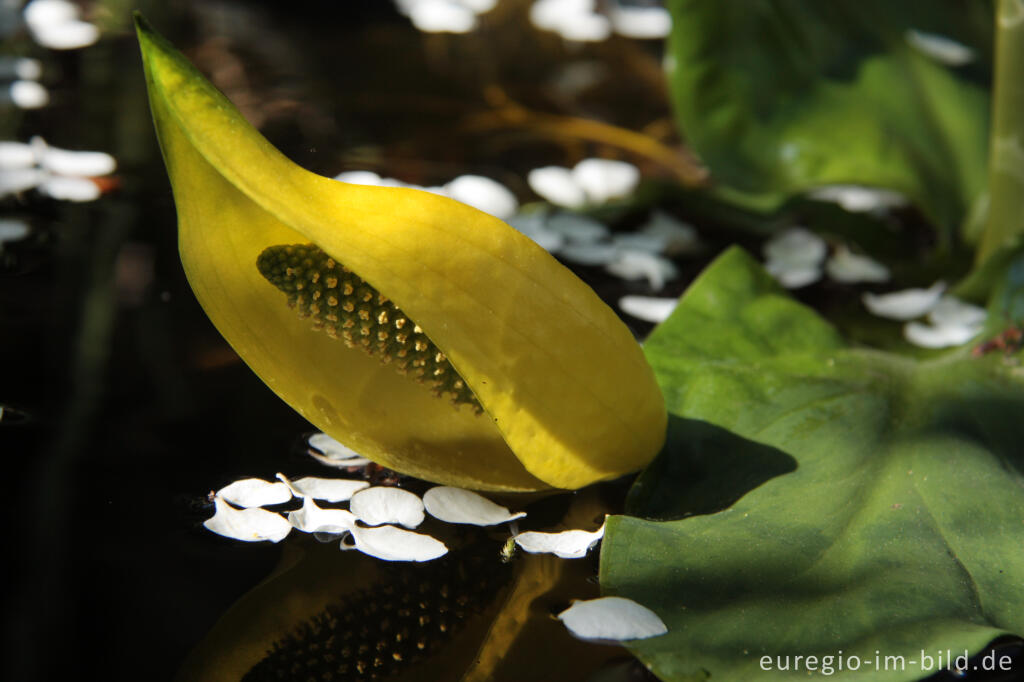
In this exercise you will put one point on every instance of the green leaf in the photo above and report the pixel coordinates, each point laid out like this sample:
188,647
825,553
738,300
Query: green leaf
780,96
816,498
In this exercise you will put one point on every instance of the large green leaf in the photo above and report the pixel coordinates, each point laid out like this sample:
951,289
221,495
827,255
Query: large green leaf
815,498
779,96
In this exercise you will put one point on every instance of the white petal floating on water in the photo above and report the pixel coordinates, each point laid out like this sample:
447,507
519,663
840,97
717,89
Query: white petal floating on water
849,268
395,544
639,241
67,162
604,179
633,265
314,519
70,35
568,544
550,15
939,336
940,48
904,305
28,69
613,619
43,13
12,229
255,492
479,6
577,228
490,196
648,308
796,246
589,254
28,95
249,525
68,188
859,199
641,22
442,16
327,489
793,276
456,505
680,237
334,454
16,155
378,505
360,177
17,180
586,28
557,185
950,311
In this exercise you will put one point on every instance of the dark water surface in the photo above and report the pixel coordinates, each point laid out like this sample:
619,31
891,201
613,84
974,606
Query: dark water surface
123,407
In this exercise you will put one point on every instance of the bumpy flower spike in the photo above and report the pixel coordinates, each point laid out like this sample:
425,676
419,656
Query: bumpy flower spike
551,389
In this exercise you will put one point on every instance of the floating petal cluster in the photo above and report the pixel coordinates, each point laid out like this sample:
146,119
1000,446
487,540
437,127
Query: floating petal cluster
612,619
940,48
796,258
57,173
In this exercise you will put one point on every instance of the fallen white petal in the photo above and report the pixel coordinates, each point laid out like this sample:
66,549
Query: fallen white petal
327,489
612,618
550,15
249,525
16,155
793,276
641,22
950,311
255,492
639,241
577,228
43,13
533,226
485,194
648,308
859,199
359,177
569,544
904,305
479,6
314,519
456,505
28,94
70,35
442,16
28,69
680,237
589,254
795,246
12,229
334,454
849,268
633,265
67,162
379,505
940,336
70,188
604,179
394,544
940,48
17,180
557,185
585,28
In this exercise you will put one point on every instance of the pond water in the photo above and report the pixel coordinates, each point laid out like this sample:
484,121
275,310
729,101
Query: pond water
123,407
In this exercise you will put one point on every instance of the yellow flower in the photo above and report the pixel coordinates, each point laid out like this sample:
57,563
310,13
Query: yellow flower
358,304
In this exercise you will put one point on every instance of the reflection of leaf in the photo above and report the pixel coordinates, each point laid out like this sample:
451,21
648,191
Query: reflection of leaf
899,529
778,96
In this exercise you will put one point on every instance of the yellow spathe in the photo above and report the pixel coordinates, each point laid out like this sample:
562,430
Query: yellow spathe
568,396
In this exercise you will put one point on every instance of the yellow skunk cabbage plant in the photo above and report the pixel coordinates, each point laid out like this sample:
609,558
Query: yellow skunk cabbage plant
421,332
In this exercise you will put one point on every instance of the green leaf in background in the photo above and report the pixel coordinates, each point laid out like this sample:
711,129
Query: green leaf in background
815,498
780,96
